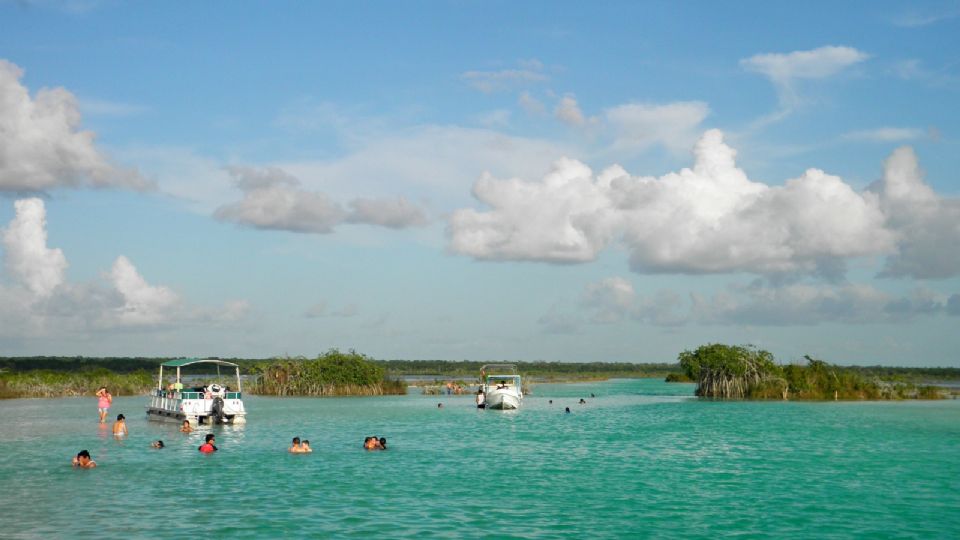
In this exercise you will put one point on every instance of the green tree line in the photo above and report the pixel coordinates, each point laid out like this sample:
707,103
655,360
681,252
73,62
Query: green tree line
743,371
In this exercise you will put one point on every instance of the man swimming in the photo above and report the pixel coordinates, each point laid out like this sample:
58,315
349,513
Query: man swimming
305,447
185,427
208,447
296,448
82,460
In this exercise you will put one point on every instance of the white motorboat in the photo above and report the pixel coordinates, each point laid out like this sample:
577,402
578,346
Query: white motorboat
210,404
502,386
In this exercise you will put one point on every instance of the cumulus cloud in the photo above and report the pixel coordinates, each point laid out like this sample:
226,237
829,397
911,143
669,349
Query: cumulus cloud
560,219
710,218
488,82
273,199
142,303
42,146
927,225
38,301
27,258
639,126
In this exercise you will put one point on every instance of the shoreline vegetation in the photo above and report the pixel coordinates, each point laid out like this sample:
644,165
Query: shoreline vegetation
745,372
335,373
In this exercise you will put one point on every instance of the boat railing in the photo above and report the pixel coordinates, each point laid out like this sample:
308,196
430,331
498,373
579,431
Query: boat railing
193,395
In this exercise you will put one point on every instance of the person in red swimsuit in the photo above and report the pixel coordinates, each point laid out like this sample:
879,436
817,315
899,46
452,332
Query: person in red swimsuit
208,447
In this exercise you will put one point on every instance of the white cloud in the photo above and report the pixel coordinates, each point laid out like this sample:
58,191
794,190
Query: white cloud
784,69
886,135
708,219
568,111
28,259
273,199
142,303
557,321
638,126
527,72
559,219
39,302
927,225
41,146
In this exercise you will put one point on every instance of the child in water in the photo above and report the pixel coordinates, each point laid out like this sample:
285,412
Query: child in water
305,447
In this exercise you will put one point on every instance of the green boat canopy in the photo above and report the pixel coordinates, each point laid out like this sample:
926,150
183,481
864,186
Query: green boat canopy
180,362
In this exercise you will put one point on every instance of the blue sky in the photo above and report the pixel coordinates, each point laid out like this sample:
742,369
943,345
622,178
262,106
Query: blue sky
613,181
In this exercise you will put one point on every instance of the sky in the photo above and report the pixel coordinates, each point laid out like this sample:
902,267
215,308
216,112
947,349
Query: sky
559,181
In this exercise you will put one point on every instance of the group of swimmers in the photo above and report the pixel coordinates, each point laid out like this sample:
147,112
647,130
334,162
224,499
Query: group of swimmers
300,447
373,443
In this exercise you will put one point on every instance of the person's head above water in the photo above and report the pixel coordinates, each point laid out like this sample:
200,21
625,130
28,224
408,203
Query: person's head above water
383,442
209,437
121,417
296,441
566,409
157,444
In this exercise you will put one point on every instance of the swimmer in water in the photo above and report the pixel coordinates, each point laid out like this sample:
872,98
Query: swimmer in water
208,447
296,448
566,409
305,447
185,427
120,426
82,460
157,444
383,443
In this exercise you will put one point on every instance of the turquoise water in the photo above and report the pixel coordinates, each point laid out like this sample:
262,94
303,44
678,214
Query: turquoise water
642,459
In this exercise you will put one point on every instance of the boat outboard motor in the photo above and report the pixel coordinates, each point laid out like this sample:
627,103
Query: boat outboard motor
217,409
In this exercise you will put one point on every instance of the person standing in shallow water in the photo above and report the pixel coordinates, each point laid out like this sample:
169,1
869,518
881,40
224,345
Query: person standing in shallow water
120,426
104,400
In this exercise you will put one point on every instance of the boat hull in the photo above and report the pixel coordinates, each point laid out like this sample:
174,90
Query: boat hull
197,411
500,400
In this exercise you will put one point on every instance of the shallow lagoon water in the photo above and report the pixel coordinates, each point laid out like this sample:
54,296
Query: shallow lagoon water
642,459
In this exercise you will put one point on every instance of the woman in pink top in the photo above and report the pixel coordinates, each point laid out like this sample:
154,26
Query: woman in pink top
104,399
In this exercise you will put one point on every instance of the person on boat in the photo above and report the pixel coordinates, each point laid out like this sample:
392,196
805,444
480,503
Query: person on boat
208,447
305,447
157,444
120,426
383,443
296,448
502,385
481,399
185,427
82,460
104,400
